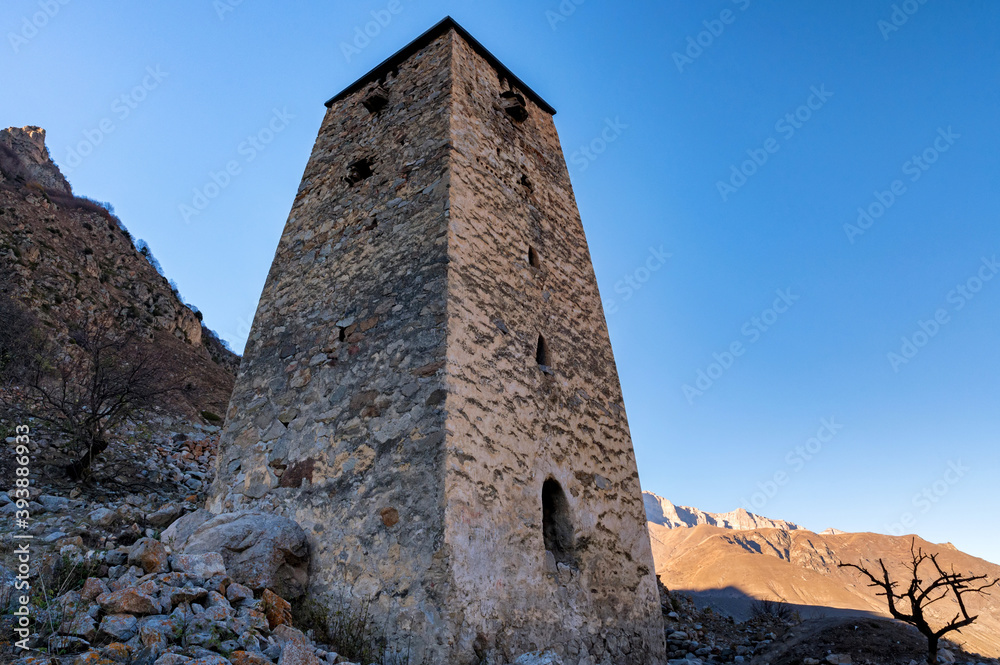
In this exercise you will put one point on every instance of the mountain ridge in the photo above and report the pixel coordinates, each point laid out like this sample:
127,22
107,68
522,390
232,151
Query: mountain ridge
665,513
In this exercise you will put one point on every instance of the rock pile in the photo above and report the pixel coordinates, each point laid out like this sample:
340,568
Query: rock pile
696,637
150,476
148,606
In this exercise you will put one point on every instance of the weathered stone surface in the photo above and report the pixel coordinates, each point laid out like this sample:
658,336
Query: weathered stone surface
61,644
120,627
285,633
150,555
247,658
90,658
236,593
182,529
166,515
297,654
93,588
539,658
82,626
128,601
184,595
435,457
172,659
209,660
260,550
277,610
202,566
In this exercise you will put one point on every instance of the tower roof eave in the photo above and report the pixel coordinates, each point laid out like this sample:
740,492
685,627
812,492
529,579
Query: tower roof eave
448,23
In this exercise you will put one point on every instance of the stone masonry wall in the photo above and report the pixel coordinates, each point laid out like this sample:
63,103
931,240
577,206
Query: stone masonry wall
337,418
390,401
513,424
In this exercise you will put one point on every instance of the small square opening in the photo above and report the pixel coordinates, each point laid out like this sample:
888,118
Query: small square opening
376,100
359,170
514,105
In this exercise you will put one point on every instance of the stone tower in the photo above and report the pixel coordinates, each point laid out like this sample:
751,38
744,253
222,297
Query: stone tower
429,388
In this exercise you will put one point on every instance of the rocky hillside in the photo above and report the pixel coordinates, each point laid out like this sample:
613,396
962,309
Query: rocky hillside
66,258
663,513
732,569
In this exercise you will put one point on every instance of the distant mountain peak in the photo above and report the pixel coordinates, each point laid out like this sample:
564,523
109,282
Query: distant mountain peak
662,511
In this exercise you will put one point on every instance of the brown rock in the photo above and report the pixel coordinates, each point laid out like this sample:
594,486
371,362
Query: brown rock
184,595
93,588
286,633
247,658
127,601
277,610
150,555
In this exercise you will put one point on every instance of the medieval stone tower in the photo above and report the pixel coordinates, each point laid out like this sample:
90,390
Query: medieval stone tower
429,388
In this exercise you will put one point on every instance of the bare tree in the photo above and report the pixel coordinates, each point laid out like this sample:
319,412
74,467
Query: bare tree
91,385
922,593
20,339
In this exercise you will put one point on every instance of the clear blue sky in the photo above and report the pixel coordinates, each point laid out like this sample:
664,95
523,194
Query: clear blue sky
868,100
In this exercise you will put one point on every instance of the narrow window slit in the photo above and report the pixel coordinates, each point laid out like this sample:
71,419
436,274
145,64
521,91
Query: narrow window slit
542,353
533,260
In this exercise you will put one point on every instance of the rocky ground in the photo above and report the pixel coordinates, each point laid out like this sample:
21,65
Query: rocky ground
126,570
108,588
777,636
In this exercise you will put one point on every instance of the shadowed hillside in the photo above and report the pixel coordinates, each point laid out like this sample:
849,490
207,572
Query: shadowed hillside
67,260
728,569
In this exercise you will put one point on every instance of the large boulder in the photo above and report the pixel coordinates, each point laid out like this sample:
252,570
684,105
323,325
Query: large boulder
261,551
